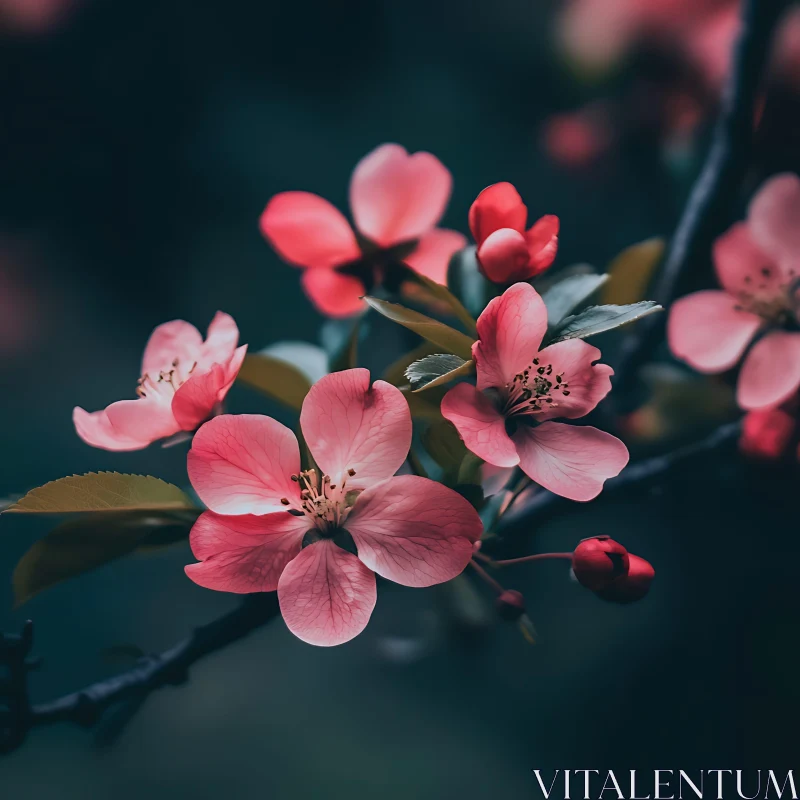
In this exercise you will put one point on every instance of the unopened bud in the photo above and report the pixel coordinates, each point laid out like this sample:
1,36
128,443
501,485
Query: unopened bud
510,605
631,587
598,561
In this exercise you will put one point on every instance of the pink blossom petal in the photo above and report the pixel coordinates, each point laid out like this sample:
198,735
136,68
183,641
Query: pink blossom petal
504,257
744,268
433,252
221,339
766,433
542,241
308,231
171,340
510,331
480,425
349,425
774,216
709,331
146,419
497,206
570,460
332,293
232,370
414,531
771,371
96,430
326,594
494,479
242,464
587,383
243,554
194,401
396,197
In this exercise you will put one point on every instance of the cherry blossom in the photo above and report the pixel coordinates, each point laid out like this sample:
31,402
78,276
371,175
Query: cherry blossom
507,419
319,535
397,199
183,382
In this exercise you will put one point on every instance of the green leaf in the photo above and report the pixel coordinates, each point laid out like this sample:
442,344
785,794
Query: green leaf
102,491
631,271
445,447
422,406
599,319
437,332
466,280
437,369
275,378
566,295
444,295
80,545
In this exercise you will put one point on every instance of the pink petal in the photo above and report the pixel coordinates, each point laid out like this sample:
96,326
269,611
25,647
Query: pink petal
308,231
542,241
414,531
221,339
242,464
171,340
145,419
349,425
396,197
96,430
570,460
326,594
232,368
334,294
433,252
194,401
709,331
480,425
587,383
774,216
504,258
246,553
497,206
771,371
744,268
766,433
510,330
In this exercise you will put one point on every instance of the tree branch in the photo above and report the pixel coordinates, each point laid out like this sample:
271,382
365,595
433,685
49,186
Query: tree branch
169,668
707,211
545,503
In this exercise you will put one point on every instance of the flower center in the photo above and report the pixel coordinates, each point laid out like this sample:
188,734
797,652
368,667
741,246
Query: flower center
327,504
167,382
535,389
768,299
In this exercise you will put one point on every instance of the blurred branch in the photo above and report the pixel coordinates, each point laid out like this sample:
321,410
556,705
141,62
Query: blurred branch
544,503
707,210
86,707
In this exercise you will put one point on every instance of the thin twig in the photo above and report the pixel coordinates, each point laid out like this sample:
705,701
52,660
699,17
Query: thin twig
707,211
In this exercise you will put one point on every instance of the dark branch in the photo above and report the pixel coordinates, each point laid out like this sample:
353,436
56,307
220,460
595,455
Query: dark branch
707,211
545,503
170,668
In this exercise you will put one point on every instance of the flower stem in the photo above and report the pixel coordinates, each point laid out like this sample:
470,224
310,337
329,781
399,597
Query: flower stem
485,576
526,559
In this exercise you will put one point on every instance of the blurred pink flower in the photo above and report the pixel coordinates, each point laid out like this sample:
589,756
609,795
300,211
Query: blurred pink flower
506,251
33,16
507,419
576,138
757,263
396,199
184,379
766,433
271,526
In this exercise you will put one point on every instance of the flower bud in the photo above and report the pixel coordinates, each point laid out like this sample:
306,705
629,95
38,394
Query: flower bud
631,587
510,605
599,561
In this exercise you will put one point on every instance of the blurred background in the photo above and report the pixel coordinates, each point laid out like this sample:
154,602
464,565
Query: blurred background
140,143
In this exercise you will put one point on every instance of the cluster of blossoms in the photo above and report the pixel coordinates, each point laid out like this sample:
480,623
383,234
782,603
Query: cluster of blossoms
318,523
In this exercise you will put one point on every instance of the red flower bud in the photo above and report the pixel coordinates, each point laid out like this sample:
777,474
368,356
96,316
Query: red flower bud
631,587
598,561
510,605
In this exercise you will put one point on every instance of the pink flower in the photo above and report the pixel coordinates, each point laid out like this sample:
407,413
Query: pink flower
767,433
397,200
757,263
507,419
184,379
271,526
506,251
